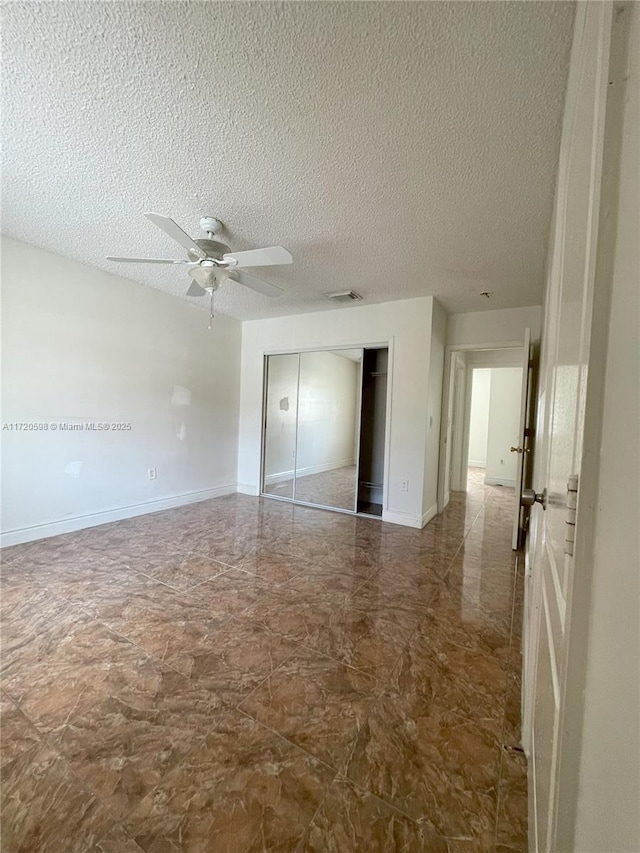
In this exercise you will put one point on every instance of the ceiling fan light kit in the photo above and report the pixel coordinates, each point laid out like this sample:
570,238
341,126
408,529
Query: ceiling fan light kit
210,263
207,276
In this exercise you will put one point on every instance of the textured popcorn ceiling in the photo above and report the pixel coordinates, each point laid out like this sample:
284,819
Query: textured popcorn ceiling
397,149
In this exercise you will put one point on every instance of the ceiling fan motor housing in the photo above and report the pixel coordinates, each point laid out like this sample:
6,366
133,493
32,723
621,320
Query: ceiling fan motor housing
211,248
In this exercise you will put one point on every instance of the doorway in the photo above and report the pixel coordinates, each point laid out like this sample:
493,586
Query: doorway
494,418
372,431
485,421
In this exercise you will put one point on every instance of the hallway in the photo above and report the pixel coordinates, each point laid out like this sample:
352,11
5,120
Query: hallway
247,675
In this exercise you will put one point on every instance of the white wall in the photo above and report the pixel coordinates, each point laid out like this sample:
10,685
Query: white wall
406,327
479,418
434,411
493,327
608,816
81,345
503,425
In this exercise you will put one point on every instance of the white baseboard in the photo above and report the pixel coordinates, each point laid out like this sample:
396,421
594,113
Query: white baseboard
473,463
79,522
270,479
429,514
499,481
280,477
403,518
248,489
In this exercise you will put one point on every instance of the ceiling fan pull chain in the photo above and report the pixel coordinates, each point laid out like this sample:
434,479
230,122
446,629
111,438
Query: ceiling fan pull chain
211,314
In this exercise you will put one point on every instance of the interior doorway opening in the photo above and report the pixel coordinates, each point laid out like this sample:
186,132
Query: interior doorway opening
486,418
486,430
494,416
372,431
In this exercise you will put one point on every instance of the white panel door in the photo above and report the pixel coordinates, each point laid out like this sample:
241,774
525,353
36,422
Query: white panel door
563,376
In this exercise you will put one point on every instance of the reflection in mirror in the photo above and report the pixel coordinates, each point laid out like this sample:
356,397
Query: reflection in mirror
280,426
328,421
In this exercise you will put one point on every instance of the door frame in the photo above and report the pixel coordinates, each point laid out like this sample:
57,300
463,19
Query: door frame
447,407
466,433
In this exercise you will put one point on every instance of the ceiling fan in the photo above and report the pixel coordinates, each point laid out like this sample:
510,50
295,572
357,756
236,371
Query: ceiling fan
209,262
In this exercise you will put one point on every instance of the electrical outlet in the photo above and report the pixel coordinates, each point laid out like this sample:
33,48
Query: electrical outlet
404,486
153,473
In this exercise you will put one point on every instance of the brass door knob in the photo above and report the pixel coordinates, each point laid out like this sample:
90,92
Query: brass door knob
529,497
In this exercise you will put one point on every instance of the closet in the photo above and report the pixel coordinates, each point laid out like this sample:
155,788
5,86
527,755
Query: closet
324,419
372,431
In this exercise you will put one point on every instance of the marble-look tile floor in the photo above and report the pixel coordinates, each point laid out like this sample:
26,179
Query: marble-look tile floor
245,675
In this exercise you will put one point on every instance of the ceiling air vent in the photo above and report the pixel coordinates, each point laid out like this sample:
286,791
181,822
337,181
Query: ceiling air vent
343,296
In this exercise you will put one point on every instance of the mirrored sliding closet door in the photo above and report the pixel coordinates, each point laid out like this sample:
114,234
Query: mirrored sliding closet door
328,425
280,424
312,427
318,426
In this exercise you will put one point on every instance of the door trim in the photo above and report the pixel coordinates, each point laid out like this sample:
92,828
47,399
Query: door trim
447,405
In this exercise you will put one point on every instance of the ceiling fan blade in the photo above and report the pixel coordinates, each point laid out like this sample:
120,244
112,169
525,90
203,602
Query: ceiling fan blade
257,284
144,260
259,257
195,290
175,231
